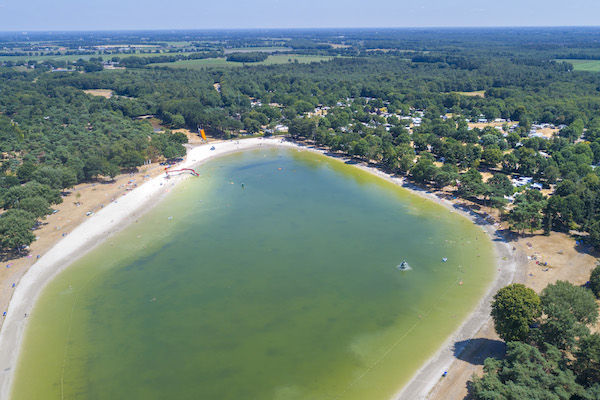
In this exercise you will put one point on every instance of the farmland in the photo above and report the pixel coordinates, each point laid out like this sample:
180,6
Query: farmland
266,49
584,65
222,62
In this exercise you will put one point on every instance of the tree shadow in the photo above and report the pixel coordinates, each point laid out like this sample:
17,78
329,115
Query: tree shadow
476,350
583,247
480,217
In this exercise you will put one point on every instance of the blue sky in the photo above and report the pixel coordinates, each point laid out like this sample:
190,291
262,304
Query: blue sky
29,15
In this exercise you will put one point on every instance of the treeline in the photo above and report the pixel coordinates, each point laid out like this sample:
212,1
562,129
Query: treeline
575,205
551,351
139,62
46,119
249,57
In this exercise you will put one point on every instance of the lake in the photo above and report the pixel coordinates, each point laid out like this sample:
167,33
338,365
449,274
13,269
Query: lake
271,276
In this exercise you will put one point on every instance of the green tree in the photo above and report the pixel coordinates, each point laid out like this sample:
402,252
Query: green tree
37,206
568,309
302,127
25,171
514,309
68,178
526,373
177,121
15,194
499,186
16,229
587,360
251,125
471,184
424,170
527,212
49,176
492,156
390,159
178,137
111,170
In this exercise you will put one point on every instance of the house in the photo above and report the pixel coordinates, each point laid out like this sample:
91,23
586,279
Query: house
281,128
522,181
538,135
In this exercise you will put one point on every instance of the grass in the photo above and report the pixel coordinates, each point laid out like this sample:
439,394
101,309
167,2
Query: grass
584,65
222,62
269,49
75,57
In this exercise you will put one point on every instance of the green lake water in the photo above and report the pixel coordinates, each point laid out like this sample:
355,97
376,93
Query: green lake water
285,288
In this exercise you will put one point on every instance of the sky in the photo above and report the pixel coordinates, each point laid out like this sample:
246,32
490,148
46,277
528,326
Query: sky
35,15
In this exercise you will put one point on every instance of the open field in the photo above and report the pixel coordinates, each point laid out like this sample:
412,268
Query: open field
270,49
476,93
75,57
222,62
106,93
482,125
71,57
584,65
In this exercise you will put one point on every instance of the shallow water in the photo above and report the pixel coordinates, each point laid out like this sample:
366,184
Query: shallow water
283,288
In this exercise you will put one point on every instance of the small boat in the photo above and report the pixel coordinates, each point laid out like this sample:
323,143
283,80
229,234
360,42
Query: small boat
403,266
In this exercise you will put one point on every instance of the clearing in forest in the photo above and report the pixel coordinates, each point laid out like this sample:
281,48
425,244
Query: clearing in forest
106,93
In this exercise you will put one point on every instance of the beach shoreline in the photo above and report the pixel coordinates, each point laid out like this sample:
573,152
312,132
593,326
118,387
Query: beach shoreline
111,219
511,266
120,213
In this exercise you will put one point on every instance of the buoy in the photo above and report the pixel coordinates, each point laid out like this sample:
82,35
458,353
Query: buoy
444,259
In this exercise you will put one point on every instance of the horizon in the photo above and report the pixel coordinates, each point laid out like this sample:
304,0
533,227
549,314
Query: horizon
323,28
126,15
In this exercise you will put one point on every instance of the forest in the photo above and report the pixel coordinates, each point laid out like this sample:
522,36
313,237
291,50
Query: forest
401,99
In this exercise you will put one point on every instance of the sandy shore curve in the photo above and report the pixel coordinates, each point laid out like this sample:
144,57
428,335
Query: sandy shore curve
130,206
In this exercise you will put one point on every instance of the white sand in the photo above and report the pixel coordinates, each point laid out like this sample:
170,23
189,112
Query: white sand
118,214
90,233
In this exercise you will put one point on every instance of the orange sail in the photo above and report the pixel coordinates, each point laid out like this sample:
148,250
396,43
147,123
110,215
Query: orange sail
202,134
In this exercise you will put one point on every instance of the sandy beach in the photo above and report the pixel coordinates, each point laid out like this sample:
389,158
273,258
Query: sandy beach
94,230
512,265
